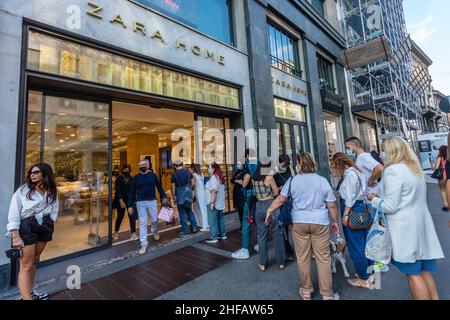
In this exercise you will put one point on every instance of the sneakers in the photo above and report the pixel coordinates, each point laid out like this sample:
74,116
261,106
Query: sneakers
116,235
212,241
255,247
156,235
183,235
143,250
223,238
39,296
241,254
334,296
204,230
134,236
379,267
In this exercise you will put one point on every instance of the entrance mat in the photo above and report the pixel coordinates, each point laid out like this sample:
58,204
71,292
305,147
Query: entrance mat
149,280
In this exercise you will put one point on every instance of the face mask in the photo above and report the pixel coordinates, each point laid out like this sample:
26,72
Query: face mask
210,171
351,154
143,169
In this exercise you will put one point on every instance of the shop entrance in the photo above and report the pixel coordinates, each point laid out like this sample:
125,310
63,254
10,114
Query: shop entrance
140,132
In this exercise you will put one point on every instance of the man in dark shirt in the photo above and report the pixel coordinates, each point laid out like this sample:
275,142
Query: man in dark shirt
143,192
182,184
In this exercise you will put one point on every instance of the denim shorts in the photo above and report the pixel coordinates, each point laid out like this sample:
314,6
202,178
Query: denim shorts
417,267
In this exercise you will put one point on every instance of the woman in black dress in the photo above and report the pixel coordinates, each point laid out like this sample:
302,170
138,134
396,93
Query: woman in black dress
123,183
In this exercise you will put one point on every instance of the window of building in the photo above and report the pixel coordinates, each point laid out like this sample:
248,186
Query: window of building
283,51
326,73
319,6
213,17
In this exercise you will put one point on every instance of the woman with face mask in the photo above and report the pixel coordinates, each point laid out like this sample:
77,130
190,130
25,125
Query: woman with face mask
215,201
123,184
238,191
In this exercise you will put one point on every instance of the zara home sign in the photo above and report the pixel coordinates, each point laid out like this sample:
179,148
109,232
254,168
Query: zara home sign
96,11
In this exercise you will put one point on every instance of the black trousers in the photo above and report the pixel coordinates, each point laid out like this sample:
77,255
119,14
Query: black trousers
120,213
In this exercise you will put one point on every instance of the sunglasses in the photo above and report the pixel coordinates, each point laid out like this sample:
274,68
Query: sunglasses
34,173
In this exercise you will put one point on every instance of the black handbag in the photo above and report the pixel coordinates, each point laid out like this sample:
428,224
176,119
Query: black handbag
438,173
285,216
360,220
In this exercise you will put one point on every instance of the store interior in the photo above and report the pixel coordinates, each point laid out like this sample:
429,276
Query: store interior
73,136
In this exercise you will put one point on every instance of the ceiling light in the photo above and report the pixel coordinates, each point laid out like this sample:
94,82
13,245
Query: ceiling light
61,141
33,123
68,127
72,135
61,114
144,128
46,130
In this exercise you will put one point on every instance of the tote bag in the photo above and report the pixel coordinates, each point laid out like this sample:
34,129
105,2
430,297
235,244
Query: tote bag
379,244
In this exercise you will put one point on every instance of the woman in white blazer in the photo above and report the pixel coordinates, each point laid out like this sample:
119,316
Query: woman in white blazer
403,197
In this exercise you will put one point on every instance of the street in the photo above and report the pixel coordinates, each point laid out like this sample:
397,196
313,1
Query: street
213,276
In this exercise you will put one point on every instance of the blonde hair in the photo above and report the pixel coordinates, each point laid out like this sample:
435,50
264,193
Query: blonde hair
397,150
306,163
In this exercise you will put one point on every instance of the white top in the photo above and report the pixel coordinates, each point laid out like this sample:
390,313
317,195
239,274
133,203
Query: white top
352,187
21,208
309,193
404,201
366,163
214,184
199,188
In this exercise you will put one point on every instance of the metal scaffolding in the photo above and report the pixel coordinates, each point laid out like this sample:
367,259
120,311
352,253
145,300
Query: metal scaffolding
384,84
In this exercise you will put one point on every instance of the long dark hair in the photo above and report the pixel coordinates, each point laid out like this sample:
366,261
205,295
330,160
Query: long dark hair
443,152
48,182
196,168
258,175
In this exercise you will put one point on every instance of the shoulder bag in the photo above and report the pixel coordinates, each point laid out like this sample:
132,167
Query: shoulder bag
285,216
360,220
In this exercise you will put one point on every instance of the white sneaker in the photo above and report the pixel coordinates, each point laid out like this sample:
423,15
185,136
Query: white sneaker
223,238
156,235
241,254
134,236
204,230
255,247
116,236
211,241
143,250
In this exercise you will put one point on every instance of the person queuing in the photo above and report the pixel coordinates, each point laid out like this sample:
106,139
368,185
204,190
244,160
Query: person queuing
215,201
266,190
351,192
200,209
120,201
313,201
238,191
285,171
183,182
143,192
403,198
32,213
251,163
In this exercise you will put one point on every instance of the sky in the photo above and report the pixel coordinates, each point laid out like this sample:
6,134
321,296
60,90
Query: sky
428,22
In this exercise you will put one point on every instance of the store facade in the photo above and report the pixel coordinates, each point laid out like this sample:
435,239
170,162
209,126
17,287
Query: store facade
93,85
288,75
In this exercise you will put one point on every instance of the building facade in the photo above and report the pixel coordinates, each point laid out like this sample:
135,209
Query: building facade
443,118
89,86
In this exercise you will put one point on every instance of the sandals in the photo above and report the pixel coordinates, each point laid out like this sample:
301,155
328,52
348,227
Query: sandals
307,296
262,267
357,282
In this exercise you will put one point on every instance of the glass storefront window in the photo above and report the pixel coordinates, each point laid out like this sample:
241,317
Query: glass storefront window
291,111
212,17
64,58
73,137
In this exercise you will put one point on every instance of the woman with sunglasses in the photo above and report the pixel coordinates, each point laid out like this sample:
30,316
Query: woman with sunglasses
32,213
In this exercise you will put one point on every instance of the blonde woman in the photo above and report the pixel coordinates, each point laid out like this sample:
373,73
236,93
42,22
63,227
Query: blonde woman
403,197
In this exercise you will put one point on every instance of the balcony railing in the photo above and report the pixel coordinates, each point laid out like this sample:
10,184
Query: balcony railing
285,66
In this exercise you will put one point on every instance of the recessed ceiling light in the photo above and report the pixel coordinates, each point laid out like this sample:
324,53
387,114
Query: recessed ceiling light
61,141
61,114
33,123
72,135
68,127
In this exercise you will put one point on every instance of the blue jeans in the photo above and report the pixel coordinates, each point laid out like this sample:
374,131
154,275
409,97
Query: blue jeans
246,226
356,243
186,213
216,223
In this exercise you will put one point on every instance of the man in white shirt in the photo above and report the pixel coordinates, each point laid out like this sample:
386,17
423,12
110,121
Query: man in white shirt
371,168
